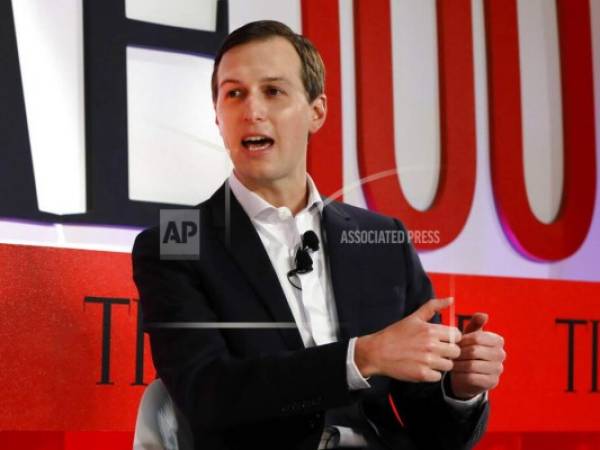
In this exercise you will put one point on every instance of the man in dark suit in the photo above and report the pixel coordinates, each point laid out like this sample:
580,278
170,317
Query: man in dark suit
289,331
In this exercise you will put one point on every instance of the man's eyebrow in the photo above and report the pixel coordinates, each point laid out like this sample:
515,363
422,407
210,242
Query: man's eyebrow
229,80
262,80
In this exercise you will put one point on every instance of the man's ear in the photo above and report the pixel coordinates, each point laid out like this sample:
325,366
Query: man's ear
217,123
216,116
318,113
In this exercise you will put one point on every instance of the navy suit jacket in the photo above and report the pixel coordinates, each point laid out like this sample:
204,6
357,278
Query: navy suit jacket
261,388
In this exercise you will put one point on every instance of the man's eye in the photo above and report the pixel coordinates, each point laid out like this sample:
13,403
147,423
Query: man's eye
233,93
273,91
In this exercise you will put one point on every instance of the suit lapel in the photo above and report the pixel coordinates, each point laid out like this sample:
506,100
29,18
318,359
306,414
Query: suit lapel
244,245
345,267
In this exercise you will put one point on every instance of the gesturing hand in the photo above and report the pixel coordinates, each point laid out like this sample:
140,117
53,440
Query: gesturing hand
480,363
411,349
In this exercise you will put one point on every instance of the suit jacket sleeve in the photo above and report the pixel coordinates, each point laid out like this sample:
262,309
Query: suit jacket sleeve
213,387
428,421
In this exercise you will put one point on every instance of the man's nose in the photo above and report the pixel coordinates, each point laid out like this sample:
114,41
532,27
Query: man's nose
255,109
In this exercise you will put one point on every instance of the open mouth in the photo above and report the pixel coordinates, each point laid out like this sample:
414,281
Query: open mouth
258,142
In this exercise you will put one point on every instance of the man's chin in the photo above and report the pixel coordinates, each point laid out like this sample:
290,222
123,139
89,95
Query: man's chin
263,177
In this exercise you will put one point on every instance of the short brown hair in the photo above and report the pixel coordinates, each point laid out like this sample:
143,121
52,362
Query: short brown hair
312,70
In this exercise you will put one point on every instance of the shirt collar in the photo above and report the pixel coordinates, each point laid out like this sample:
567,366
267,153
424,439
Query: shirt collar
253,204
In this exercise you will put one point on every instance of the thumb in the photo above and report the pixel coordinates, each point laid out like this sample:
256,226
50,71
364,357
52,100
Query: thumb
476,323
433,306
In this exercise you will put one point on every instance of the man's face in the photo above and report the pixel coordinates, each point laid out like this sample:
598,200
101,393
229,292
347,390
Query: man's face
263,112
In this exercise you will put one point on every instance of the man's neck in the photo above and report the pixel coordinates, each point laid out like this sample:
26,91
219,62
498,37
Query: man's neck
289,193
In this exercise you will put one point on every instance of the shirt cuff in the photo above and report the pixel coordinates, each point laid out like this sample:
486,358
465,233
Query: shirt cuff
353,376
463,405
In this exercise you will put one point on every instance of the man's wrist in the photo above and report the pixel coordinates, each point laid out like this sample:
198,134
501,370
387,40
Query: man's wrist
447,387
362,356
449,393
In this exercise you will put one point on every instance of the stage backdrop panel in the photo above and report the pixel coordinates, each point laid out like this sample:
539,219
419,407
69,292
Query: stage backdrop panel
475,122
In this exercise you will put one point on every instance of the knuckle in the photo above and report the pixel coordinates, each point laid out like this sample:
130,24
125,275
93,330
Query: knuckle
433,375
483,338
428,359
456,350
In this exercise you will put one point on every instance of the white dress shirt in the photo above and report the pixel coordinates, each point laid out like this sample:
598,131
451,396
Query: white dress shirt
313,307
